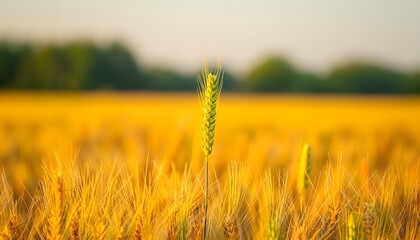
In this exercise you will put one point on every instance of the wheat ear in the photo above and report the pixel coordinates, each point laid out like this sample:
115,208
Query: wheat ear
100,226
233,197
369,218
196,230
352,227
209,88
55,220
138,229
74,226
303,172
11,229
231,229
330,222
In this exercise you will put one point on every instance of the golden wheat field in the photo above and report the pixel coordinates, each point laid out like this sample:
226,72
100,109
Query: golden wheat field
131,166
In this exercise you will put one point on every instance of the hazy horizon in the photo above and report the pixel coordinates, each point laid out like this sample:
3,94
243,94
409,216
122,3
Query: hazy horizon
179,34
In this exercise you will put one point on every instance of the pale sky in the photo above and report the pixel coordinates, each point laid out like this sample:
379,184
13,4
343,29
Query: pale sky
314,35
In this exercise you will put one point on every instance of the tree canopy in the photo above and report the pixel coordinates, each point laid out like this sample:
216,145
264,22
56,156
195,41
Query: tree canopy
83,65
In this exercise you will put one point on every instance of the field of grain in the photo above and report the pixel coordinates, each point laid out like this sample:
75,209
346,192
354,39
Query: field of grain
130,166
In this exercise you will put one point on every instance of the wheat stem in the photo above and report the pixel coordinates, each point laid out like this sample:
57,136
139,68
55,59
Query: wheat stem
209,87
206,201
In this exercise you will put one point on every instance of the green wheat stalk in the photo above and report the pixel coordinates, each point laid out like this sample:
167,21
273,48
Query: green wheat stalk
303,173
209,88
352,227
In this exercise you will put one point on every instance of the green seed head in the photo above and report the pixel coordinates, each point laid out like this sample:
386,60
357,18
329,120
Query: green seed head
304,168
351,225
209,85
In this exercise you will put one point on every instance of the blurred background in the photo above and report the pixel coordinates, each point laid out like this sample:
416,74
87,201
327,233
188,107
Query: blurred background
115,80
270,46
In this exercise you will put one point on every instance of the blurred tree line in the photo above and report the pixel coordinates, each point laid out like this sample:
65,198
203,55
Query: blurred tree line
86,66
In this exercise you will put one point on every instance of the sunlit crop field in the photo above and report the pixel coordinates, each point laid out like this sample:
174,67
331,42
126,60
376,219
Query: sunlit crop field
130,166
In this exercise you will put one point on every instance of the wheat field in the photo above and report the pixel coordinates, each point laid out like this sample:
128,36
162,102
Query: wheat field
131,166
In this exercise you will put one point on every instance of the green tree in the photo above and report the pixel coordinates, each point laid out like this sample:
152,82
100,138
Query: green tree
309,83
358,77
167,80
44,68
79,65
413,83
272,74
11,56
115,68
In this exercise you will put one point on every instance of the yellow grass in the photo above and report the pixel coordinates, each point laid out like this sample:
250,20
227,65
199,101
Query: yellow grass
132,166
